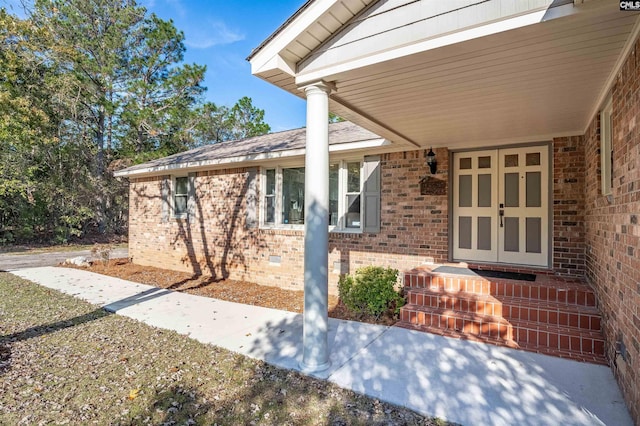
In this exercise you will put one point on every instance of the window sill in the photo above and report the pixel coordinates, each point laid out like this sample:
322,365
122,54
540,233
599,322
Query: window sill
345,230
299,229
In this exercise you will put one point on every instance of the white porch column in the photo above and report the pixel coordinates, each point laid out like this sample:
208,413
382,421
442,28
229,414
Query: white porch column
315,355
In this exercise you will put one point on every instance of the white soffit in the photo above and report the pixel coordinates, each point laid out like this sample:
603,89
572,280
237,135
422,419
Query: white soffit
536,74
396,28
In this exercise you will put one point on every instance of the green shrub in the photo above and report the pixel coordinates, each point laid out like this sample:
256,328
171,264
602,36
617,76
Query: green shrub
371,290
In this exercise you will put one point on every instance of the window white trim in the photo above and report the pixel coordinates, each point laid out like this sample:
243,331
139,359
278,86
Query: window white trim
606,147
173,194
342,198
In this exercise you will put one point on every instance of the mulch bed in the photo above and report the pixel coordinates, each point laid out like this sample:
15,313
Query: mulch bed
229,290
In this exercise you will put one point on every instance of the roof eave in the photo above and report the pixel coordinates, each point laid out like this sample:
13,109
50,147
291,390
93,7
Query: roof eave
248,159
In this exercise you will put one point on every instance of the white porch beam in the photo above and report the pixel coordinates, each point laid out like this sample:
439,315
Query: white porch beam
315,356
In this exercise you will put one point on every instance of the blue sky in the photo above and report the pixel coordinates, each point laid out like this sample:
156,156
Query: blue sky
221,34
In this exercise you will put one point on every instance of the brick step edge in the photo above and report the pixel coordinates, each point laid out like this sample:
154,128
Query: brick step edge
473,324
569,293
553,313
590,358
559,338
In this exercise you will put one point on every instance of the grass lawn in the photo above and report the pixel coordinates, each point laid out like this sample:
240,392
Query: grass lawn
64,361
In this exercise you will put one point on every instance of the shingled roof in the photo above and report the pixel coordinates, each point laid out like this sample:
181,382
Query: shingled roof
250,149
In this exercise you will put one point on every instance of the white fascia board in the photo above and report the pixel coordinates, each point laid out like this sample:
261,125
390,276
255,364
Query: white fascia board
604,94
540,15
267,58
276,62
254,158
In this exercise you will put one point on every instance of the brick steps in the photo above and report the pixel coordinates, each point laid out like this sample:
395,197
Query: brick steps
476,324
529,347
516,308
551,289
555,316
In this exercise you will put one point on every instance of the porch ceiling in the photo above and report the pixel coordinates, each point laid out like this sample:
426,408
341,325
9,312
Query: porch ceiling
528,83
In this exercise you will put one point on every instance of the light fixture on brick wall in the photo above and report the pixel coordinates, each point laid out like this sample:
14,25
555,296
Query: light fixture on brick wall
431,161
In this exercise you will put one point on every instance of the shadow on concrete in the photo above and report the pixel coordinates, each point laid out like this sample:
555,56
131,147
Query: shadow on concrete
460,381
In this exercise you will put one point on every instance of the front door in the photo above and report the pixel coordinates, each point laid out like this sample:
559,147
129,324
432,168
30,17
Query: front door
501,206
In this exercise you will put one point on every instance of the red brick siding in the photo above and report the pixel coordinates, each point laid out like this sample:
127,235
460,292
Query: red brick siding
613,230
568,205
413,228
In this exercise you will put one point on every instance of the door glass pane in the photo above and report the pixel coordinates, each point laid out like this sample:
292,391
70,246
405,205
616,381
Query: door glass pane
533,159
511,160
484,190
353,177
465,163
511,189
534,234
484,162
464,190
484,233
353,211
464,231
534,189
334,194
511,234
293,196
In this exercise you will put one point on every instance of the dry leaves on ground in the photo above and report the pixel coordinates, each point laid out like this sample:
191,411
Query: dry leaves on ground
230,290
65,361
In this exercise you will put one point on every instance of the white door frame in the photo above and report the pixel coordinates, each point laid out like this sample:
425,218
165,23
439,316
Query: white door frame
490,215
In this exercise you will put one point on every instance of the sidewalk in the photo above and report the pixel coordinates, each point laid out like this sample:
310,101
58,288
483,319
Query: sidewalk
460,381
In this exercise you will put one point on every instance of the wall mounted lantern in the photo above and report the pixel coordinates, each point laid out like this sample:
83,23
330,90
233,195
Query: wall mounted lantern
431,161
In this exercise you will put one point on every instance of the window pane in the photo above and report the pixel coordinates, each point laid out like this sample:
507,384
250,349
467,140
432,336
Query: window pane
533,159
353,177
181,186
270,196
512,189
293,196
465,163
353,211
484,162
271,182
464,191
511,234
511,160
270,206
180,204
464,232
534,189
484,190
334,194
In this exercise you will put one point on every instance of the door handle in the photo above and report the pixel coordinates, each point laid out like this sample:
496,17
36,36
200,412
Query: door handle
501,214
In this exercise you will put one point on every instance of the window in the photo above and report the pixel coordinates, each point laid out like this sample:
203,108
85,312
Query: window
180,196
352,196
270,196
606,149
293,196
283,200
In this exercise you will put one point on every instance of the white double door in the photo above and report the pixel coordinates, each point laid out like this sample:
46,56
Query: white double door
501,206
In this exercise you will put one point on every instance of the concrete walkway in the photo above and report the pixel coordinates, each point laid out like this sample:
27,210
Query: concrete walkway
460,381
22,260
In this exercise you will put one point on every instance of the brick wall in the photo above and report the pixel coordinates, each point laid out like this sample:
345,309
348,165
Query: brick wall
413,229
613,231
568,205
